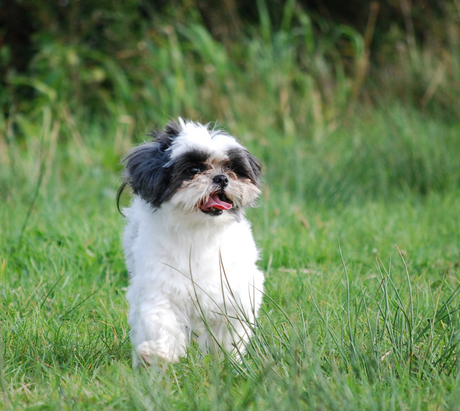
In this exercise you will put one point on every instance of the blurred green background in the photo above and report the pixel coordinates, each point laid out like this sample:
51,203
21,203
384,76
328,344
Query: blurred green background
332,86
185,57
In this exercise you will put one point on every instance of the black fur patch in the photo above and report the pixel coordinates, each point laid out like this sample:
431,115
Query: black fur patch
245,165
152,175
182,164
144,167
145,172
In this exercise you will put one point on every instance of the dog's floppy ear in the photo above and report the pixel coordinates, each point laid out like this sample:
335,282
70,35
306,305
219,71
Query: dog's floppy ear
145,167
245,165
256,168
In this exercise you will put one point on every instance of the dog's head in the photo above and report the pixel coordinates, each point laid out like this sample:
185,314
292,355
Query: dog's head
194,168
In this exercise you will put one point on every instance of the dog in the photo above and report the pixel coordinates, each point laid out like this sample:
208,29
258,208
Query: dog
189,249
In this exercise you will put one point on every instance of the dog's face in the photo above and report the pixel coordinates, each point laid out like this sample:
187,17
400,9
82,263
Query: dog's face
195,169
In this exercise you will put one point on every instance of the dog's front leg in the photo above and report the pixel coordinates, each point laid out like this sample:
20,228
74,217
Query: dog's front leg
157,333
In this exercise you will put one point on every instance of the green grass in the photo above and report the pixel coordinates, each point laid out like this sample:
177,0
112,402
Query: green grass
358,223
349,322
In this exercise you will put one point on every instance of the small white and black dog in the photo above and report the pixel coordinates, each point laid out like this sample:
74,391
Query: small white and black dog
189,250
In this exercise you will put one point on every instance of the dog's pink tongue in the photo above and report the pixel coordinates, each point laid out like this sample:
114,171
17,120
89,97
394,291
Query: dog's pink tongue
216,202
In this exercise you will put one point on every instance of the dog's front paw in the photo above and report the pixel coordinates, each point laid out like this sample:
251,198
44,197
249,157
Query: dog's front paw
151,352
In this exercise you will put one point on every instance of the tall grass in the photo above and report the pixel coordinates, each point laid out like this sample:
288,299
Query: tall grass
308,74
286,85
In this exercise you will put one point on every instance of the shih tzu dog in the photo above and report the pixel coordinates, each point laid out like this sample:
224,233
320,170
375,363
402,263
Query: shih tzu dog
189,250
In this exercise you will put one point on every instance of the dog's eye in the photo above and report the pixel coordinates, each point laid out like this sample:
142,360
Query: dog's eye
227,167
193,170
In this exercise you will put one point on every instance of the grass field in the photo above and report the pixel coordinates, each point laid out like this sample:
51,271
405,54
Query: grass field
358,223
360,237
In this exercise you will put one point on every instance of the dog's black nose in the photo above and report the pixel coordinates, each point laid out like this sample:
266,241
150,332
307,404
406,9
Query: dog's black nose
220,180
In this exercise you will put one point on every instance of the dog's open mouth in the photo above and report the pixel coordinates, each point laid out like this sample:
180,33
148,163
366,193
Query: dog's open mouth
216,204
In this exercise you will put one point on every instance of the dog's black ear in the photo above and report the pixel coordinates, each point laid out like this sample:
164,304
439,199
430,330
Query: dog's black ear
245,165
146,170
256,168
